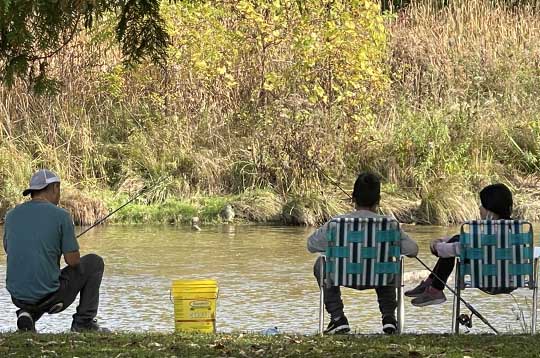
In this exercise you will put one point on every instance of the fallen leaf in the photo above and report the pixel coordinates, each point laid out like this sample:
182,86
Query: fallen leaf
294,340
30,341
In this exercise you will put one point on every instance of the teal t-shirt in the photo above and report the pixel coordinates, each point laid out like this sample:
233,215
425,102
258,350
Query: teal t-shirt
36,234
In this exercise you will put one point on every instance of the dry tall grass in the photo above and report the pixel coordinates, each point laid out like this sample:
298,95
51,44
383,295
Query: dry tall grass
466,79
470,49
461,112
83,209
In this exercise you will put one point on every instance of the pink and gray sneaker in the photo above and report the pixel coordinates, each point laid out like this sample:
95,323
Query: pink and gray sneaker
418,290
430,296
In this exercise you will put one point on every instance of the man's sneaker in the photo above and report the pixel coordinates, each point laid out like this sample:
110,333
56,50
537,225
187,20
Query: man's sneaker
339,326
431,296
25,322
418,290
91,326
389,325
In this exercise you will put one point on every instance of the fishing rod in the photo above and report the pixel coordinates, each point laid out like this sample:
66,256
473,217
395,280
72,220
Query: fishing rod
470,307
138,194
332,180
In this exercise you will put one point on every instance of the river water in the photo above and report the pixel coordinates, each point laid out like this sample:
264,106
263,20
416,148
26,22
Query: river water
265,279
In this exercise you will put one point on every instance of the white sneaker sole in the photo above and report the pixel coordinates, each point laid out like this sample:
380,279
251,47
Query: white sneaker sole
389,328
25,322
438,301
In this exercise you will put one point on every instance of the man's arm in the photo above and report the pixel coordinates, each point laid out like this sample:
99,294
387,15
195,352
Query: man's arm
409,247
5,240
316,242
70,246
72,258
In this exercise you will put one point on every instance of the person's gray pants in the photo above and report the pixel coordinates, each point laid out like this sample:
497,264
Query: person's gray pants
84,279
386,297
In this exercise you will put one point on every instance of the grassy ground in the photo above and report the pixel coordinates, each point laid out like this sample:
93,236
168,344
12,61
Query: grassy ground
239,345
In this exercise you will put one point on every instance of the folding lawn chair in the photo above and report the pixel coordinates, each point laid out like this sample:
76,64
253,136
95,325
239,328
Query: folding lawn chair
498,255
363,253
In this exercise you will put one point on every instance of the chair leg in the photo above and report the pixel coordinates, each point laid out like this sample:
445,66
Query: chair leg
401,307
535,296
321,295
457,302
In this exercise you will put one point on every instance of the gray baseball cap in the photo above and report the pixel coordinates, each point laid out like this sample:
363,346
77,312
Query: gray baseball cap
40,180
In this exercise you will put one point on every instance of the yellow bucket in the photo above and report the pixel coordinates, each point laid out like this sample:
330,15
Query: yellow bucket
195,305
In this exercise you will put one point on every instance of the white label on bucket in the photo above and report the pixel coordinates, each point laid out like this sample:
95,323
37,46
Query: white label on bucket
199,304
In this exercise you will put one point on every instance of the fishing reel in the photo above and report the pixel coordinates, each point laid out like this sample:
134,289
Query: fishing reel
465,320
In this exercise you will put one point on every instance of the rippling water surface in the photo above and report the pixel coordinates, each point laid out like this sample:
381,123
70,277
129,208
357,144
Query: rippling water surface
265,279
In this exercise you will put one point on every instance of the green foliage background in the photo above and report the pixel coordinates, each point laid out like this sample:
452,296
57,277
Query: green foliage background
284,95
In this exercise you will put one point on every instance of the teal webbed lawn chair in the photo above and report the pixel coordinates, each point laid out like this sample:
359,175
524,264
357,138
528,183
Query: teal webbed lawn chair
363,253
498,256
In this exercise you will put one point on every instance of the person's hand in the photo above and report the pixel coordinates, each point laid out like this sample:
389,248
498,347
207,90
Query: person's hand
433,246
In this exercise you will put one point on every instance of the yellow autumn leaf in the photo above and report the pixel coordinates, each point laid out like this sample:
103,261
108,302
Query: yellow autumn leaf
319,91
199,64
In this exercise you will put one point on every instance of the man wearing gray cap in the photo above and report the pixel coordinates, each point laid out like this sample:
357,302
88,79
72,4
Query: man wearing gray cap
36,234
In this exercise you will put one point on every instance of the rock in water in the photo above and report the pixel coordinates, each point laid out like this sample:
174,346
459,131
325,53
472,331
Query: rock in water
195,223
227,213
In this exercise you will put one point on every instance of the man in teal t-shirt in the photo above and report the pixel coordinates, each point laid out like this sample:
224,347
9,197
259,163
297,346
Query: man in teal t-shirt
37,234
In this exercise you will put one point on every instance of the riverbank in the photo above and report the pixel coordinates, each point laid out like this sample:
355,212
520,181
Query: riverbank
265,206
261,206
246,345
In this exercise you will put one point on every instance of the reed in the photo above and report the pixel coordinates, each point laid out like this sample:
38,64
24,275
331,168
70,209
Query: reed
84,210
441,97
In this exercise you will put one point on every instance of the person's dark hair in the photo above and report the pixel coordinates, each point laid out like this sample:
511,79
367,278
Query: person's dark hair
497,198
35,193
367,190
